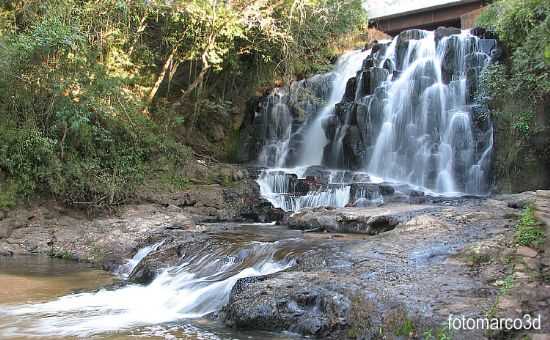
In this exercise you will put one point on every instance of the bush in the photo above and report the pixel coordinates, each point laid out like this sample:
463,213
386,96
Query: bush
72,122
28,158
524,27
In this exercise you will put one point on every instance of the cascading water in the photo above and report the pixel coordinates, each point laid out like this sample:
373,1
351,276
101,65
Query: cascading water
127,268
403,112
427,134
198,286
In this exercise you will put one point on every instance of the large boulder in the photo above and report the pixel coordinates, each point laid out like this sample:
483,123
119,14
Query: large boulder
296,301
371,221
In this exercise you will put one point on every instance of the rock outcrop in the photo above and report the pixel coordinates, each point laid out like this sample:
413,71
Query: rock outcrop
370,221
308,304
107,241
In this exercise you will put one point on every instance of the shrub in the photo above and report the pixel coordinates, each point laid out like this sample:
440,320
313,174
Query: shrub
524,27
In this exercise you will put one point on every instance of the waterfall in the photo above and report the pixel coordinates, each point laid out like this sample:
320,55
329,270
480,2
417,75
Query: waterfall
403,113
427,135
346,67
127,268
198,286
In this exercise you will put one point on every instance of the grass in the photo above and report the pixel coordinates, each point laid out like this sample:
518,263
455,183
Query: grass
529,231
443,333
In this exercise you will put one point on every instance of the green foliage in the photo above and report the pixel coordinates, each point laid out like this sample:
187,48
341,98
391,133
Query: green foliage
442,333
61,254
508,284
73,127
524,27
406,328
8,195
518,91
528,230
476,259
524,122
92,92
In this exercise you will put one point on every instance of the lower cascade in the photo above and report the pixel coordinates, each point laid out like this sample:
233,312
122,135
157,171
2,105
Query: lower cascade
199,285
403,114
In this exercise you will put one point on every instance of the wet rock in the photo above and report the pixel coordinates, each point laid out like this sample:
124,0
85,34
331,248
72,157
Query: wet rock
341,176
487,45
402,45
373,78
297,101
315,171
442,32
518,201
376,46
389,66
483,33
496,54
414,34
386,189
352,147
359,189
299,186
360,177
330,125
354,220
369,62
351,88
295,302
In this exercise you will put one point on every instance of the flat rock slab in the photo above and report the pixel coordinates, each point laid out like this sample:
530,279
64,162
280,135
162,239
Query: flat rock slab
371,220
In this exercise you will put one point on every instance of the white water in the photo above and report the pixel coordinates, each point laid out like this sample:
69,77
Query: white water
408,143
127,268
346,67
426,136
275,186
191,290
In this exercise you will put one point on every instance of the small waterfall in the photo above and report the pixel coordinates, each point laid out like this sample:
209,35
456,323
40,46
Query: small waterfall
403,112
278,127
127,268
198,286
285,190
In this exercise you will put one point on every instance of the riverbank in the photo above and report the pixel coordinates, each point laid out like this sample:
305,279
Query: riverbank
455,258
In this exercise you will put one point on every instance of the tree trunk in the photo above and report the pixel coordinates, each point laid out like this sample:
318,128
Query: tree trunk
161,77
198,80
